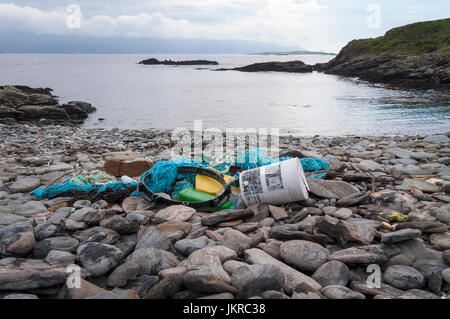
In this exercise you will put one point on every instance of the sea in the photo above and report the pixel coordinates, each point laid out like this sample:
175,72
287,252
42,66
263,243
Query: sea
134,96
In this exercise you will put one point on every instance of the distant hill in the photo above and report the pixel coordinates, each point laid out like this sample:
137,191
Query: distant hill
25,42
294,53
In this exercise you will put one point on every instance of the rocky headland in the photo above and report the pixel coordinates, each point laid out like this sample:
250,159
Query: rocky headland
385,201
25,104
415,56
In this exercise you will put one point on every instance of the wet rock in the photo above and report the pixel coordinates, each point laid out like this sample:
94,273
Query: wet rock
236,240
206,274
344,231
441,241
30,209
142,284
443,214
20,296
150,237
404,277
104,295
354,255
332,273
25,274
384,289
395,200
255,279
232,265
415,249
247,227
446,275
425,187
119,224
44,231
425,227
292,277
78,215
60,214
273,294
82,203
340,292
166,287
436,139
99,258
174,229
120,276
63,243
226,215
72,225
188,246
151,260
24,185
6,219
277,212
224,295
331,189
292,235
369,165
16,239
400,260
343,213
305,255
260,212
224,252
400,235
175,212
446,256
55,257
172,271
111,235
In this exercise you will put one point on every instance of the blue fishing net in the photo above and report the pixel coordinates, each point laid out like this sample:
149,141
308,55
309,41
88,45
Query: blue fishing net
165,177
76,188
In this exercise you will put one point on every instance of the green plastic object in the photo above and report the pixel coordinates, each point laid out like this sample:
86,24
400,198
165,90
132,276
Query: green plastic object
191,195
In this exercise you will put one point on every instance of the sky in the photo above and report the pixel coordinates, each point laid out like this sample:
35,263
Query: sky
317,25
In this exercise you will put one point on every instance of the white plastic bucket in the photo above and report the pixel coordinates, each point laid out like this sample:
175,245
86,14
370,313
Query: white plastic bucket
278,183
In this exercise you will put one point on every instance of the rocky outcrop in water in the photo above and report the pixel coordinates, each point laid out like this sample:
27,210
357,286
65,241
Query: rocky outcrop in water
154,61
291,67
25,104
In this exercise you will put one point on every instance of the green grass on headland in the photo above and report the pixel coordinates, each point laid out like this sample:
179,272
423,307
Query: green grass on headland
417,38
294,53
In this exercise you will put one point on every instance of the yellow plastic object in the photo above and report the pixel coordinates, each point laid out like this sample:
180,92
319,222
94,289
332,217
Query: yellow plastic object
208,185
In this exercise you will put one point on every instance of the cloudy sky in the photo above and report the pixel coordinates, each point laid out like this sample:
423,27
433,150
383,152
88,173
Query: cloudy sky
325,25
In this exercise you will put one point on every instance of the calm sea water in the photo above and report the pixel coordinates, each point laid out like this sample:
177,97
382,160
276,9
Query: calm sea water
128,95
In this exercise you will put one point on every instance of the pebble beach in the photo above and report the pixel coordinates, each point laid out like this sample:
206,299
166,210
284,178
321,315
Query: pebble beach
385,201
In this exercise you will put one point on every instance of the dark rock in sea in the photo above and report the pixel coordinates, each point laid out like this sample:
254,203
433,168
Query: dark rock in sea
25,104
154,61
290,66
78,110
